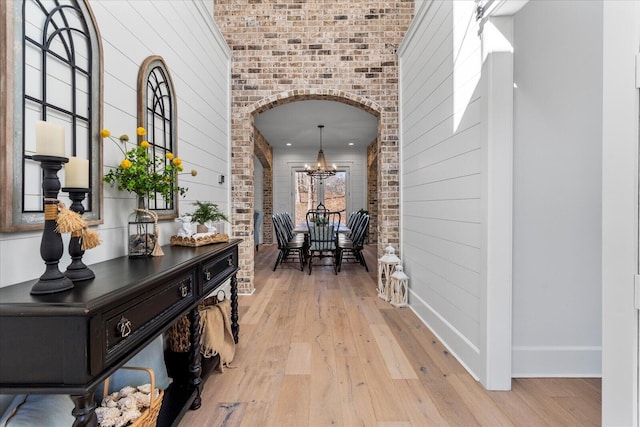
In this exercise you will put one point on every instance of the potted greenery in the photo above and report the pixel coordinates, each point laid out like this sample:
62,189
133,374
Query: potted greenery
146,175
206,214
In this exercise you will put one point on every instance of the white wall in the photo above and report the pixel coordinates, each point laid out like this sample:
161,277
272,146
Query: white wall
184,34
557,189
441,111
620,334
284,159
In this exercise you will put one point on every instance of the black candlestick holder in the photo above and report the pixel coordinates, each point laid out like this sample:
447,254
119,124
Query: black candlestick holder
77,270
51,247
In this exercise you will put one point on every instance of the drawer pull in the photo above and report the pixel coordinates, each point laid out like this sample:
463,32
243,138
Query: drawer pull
184,290
124,327
207,275
230,260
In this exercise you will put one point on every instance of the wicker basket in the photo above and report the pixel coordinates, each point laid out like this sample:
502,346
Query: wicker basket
178,335
149,416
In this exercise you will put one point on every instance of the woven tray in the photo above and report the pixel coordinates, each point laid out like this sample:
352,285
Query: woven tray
200,240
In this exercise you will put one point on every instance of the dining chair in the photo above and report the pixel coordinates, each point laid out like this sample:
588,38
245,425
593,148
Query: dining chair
322,226
350,247
353,217
288,246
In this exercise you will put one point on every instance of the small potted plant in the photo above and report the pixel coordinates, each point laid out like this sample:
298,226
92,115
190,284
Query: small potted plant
206,214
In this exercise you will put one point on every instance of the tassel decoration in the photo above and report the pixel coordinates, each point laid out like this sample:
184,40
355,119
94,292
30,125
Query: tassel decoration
90,239
157,249
68,220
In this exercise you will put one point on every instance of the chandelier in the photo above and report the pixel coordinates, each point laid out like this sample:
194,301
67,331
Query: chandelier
320,170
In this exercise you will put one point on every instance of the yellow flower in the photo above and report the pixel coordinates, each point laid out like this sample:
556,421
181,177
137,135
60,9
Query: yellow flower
194,172
143,172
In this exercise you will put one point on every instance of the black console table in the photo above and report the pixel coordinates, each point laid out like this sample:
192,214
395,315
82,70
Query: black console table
69,342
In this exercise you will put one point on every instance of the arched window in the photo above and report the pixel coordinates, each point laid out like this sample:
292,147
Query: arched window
157,114
52,73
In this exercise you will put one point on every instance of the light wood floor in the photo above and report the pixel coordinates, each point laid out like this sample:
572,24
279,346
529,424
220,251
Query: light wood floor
323,350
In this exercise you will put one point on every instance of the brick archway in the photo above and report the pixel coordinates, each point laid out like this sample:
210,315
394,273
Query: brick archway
318,95
246,140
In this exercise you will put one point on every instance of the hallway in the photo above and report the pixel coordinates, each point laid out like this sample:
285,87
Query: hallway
323,350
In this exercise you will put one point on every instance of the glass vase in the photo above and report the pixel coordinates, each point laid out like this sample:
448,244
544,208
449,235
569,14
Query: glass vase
142,238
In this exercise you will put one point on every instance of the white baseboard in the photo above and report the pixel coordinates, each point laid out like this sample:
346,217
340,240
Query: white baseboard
458,345
527,361
556,361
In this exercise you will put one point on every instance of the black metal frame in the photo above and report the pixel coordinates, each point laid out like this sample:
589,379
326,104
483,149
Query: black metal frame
160,109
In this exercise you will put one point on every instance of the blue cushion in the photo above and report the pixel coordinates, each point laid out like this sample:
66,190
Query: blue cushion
51,410
8,402
152,356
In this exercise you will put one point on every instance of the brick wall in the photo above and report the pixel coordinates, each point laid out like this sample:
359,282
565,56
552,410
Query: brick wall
285,51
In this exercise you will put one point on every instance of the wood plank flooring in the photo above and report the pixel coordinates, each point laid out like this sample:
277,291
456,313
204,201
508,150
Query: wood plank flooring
324,350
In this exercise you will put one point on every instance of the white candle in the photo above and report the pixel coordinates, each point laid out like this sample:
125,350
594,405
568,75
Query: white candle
49,139
76,173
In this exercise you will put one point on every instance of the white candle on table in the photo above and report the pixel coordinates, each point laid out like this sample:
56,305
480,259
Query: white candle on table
49,139
76,173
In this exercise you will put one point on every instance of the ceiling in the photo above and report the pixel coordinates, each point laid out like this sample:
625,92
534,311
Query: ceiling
297,123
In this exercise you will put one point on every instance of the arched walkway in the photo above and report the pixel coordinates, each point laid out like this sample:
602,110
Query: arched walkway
246,142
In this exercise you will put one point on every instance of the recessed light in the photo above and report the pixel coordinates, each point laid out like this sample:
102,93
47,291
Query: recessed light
288,144
351,143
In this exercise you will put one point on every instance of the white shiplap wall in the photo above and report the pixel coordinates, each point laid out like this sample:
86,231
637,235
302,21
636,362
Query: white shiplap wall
441,113
455,146
197,57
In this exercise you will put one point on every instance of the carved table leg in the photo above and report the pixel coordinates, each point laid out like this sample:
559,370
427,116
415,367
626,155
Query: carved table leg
235,328
85,410
195,366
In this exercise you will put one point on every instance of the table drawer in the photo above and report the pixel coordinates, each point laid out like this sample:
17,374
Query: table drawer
132,322
218,270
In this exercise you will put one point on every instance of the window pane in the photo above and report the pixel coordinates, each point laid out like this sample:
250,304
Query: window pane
309,192
335,192
306,195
